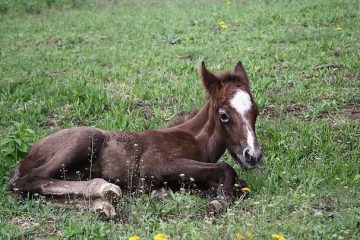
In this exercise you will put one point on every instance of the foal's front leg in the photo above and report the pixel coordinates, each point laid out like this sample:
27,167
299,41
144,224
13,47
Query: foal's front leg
218,176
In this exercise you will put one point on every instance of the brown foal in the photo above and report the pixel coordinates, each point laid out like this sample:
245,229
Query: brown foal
96,164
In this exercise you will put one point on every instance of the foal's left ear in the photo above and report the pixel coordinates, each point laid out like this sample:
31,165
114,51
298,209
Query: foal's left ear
211,82
240,71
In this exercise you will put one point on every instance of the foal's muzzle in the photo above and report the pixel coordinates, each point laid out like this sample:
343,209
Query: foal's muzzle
249,159
253,156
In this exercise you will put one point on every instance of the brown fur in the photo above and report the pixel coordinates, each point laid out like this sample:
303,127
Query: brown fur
150,159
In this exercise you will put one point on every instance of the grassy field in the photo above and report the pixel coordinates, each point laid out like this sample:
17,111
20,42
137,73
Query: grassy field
132,65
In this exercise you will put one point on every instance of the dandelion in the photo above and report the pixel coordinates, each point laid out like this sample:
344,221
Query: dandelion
277,236
338,29
239,236
228,2
160,236
249,234
223,25
134,237
246,189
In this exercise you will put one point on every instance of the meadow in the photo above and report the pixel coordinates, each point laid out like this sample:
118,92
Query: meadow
133,66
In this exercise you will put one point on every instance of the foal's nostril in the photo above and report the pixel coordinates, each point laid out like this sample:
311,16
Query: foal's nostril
254,156
246,153
248,156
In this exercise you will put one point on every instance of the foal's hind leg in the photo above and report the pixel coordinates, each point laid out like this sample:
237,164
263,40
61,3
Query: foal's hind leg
39,171
40,181
101,193
95,188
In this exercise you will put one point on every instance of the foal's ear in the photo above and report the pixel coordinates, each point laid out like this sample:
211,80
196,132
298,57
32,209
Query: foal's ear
240,71
211,82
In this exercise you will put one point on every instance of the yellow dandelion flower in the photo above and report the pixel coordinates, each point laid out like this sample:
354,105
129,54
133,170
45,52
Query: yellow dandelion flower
338,29
160,236
223,25
134,237
239,236
277,236
228,2
249,234
246,189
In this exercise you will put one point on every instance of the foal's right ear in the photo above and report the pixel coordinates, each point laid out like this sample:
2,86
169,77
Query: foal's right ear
210,81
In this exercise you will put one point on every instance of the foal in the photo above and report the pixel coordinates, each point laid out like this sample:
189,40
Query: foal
95,164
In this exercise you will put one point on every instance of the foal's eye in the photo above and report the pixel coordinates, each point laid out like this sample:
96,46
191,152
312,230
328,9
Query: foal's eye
223,116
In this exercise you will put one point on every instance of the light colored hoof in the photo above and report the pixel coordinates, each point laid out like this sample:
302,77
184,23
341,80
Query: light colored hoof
99,188
110,192
215,206
104,208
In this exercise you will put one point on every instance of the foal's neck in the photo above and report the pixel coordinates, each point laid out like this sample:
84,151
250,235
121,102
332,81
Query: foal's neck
205,130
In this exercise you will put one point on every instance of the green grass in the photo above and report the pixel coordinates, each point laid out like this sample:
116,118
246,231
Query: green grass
132,65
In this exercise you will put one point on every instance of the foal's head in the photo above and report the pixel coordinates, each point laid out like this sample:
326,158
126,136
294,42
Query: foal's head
234,111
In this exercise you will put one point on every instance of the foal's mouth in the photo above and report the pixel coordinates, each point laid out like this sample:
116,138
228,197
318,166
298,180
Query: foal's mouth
246,163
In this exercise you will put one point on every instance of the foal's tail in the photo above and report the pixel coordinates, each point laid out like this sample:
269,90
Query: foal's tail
14,176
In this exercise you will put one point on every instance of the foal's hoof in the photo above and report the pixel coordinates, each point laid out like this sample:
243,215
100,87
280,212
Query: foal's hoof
99,188
110,192
104,208
216,206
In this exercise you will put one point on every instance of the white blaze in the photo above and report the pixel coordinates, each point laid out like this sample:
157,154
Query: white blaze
241,102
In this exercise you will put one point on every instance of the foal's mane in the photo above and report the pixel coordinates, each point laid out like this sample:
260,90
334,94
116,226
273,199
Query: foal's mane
183,117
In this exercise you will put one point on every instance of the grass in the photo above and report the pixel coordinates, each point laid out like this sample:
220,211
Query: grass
132,65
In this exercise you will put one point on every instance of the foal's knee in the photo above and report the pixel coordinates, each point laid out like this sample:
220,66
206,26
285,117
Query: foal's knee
229,175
